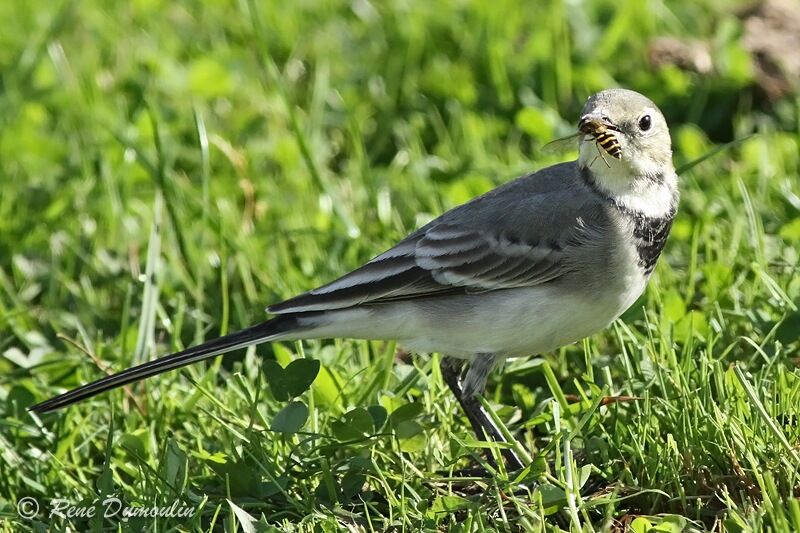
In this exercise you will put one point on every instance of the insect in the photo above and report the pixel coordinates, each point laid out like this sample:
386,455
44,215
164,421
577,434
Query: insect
601,132
603,135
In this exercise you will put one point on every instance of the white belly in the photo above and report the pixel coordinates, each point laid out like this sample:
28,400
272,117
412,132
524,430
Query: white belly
521,322
507,323
510,323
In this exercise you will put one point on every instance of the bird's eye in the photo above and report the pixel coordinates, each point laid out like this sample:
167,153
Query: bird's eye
645,122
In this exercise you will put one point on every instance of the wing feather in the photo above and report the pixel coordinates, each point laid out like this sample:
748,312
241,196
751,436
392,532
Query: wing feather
443,260
523,234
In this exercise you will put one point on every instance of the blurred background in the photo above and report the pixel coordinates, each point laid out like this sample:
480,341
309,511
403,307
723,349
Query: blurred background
169,168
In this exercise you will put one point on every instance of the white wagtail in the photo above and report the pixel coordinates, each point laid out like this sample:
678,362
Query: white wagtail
537,263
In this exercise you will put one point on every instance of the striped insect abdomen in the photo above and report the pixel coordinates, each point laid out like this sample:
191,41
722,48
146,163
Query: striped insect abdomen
609,143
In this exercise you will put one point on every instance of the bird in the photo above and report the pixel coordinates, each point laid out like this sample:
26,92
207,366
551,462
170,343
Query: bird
537,263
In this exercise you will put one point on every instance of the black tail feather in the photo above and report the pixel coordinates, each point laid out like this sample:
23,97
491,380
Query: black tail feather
246,337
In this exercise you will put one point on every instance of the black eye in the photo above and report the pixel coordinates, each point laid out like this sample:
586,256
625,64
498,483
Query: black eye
645,122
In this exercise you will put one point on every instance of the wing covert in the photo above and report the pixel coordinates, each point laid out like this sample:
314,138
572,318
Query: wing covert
443,259
524,233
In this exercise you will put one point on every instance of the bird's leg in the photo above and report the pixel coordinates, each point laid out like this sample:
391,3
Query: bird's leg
482,425
477,374
467,396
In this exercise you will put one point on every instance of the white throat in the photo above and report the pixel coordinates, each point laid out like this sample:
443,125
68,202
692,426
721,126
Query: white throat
641,186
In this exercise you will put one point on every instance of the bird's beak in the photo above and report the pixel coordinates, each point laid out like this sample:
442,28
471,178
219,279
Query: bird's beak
595,123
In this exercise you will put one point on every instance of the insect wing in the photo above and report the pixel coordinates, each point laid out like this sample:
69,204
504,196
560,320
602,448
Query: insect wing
564,144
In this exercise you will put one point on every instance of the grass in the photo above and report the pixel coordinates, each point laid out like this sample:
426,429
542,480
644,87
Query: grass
168,169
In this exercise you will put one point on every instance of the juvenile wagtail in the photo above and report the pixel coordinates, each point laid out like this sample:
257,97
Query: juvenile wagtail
537,263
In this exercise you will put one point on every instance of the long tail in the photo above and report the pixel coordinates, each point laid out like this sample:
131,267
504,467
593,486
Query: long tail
265,331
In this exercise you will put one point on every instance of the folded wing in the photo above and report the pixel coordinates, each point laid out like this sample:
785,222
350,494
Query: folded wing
443,259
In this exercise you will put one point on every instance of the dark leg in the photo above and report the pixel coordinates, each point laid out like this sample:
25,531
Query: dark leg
482,423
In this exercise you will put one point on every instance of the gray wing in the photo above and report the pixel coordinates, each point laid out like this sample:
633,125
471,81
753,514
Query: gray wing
525,233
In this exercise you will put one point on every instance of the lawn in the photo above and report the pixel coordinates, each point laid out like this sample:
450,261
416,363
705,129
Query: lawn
167,169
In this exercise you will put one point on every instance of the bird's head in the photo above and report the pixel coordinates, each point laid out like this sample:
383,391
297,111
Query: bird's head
638,151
